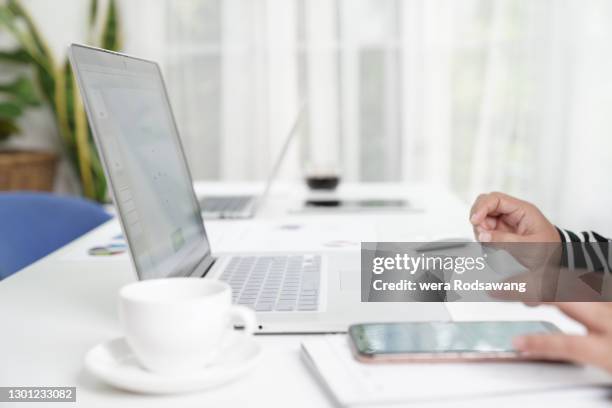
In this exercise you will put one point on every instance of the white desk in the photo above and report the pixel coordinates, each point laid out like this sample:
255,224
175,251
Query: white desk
58,308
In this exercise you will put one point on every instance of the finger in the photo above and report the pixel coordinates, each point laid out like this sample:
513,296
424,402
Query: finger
493,204
595,316
490,223
517,219
512,219
475,216
503,226
578,349
498,236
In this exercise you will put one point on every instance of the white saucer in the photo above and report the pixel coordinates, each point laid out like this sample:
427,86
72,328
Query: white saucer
114,363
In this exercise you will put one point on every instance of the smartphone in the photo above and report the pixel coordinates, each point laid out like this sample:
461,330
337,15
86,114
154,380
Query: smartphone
441,341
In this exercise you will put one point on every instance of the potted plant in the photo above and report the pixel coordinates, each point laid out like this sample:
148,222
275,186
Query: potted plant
56,87
21,169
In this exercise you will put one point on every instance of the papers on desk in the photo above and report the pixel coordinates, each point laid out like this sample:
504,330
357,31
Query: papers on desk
358,384
92,246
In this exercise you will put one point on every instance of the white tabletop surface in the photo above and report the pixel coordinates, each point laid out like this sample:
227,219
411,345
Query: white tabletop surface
55,310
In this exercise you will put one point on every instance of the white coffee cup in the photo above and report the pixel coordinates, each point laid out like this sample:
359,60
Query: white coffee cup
178,325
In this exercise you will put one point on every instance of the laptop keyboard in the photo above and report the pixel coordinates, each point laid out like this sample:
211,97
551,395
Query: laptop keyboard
275,283
224,204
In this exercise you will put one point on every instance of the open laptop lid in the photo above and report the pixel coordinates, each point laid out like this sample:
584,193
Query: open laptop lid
295,127
137,139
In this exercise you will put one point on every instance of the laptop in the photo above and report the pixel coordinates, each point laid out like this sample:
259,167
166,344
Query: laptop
139,145
246,206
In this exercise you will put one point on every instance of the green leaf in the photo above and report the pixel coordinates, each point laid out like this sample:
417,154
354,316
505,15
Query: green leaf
29,51
46,81
99,178
19,11
6,17
23,91
27,36
69,84
8,128
10,110
93,13
111,37
19,56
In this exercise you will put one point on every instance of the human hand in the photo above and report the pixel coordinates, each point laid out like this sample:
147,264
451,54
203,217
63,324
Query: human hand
498,217
594,348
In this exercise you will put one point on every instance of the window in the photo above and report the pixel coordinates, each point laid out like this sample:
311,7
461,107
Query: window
472,94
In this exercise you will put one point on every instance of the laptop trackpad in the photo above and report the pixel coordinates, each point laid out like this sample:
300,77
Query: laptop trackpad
350,280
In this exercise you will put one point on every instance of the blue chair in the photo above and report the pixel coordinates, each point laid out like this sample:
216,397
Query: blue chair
33,225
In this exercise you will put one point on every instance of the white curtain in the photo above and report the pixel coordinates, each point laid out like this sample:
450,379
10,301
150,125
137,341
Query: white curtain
474,95
544,130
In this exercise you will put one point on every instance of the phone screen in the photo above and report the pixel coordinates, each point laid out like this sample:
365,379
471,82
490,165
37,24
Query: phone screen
441,337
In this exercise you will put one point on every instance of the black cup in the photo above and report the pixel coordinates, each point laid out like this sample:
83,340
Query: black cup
323,182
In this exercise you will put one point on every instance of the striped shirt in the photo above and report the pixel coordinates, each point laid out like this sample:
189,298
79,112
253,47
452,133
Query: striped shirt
586,250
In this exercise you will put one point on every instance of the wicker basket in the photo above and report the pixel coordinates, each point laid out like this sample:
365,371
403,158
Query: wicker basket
27,170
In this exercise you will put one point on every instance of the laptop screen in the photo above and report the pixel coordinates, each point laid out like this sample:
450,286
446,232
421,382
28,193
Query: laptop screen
138,142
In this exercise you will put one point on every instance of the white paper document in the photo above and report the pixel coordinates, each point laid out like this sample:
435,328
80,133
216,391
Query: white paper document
361,384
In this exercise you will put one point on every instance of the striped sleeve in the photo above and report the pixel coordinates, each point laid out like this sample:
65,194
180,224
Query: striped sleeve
586,250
